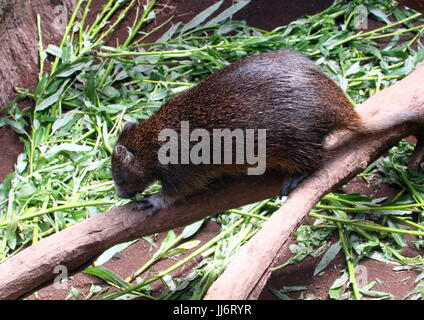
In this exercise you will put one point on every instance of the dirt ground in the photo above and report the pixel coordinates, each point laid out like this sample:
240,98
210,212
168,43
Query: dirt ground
266,15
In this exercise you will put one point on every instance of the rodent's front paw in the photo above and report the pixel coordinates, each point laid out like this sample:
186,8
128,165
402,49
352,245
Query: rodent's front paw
152,203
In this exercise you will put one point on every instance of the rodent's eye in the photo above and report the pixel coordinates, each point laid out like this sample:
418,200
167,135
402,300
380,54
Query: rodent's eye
118,177
131,150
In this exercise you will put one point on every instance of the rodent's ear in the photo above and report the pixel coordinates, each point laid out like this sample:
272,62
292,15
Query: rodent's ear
128,125
124,155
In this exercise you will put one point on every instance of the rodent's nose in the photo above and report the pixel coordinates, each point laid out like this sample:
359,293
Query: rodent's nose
125,195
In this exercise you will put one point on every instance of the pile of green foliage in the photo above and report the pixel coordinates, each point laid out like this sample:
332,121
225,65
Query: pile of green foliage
63,176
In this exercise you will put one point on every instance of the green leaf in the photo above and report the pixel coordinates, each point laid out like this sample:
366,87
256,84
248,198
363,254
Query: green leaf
106,275
40,85
72,147
169,33
420,56
191,229
109,253
400,240
71,68
54,50
338,286
172,252
90,88
169,240
293,289
6,185
378,295
159,94
63,120
44,104
329,256
228,12
280,295
202,16
110,92
112,108
353,69
67,52
15,125
169,282
189,244
11,234
26,191
379,14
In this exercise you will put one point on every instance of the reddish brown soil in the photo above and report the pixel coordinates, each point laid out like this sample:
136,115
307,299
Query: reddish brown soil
266,15
11,149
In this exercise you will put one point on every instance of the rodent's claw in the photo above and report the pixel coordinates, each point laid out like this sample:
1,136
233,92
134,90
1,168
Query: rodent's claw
152,203
142,204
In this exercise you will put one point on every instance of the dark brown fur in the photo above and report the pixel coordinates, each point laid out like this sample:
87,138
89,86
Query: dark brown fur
280,91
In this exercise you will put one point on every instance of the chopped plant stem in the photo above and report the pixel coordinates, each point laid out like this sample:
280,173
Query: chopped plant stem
40,47
366,226
61,207
67,31
372,208
349,262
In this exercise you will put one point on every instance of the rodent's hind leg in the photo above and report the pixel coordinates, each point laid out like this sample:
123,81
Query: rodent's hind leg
152,203
418,155
291,182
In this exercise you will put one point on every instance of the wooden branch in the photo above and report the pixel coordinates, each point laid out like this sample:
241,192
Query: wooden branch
247,274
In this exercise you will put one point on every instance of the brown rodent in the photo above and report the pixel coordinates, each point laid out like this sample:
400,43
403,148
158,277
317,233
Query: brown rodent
281,91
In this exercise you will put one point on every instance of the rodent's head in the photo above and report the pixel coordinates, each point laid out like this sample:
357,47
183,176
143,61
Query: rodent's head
129,176
130,173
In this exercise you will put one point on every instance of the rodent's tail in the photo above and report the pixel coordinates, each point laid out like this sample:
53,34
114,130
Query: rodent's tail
376,124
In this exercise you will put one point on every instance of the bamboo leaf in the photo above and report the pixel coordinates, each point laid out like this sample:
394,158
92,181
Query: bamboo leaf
44,104
228,12
202,16
106,275
329,256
